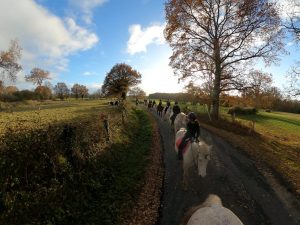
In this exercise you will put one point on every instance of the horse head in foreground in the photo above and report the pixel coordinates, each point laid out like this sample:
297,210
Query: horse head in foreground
211,212
194,153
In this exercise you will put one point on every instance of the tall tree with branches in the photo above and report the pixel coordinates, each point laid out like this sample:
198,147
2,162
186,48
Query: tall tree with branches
119,79
291,20
38,76
9,65
216,37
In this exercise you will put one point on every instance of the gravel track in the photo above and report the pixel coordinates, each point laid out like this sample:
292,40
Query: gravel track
253,194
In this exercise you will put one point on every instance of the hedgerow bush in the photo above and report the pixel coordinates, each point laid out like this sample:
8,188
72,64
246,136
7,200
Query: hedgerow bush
242,110
62,174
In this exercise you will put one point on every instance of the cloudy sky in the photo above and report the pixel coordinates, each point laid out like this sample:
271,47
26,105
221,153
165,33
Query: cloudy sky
79,41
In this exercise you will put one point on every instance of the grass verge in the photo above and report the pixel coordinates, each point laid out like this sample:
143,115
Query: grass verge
60,175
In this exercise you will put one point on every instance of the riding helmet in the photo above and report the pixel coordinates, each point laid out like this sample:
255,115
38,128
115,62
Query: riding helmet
192,116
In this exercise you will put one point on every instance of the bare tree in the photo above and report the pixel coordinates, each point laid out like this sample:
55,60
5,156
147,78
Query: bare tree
293,77
37,76
217,37
9,65
137,92
291,20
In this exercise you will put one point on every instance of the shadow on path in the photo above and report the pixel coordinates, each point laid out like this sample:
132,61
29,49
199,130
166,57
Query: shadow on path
231,175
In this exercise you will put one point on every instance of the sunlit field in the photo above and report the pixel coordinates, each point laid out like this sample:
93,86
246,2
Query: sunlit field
34,114
280,126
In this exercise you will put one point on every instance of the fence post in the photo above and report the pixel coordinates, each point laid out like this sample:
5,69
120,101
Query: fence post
105,125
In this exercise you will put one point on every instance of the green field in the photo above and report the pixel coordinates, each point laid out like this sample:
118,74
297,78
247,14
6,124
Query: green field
277,143
280,126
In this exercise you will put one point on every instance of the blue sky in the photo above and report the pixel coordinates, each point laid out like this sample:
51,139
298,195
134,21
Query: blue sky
79,41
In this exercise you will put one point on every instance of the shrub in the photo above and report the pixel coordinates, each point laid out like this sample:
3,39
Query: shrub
242,110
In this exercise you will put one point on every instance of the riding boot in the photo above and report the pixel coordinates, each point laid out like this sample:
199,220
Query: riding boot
180,156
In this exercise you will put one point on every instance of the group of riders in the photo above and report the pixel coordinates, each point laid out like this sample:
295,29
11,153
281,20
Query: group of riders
192,123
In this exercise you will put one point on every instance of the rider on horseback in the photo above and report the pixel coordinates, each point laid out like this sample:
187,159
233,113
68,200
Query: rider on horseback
167,106
192,131
176,110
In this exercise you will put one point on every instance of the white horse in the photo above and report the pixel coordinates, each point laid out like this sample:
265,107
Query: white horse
167,114
211,212
194,153
180,121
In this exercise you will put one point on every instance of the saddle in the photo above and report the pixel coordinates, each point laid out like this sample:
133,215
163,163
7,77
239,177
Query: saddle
185,147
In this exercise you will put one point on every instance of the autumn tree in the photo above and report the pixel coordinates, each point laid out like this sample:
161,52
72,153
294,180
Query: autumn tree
260,82
293,76
217,37
79,90
11,89
137,92
44,92
9,65
118,81
37,76
61,90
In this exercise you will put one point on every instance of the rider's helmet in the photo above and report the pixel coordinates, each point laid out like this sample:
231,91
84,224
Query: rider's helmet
192,116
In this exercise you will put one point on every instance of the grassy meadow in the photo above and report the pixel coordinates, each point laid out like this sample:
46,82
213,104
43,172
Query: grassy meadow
33,114
56,166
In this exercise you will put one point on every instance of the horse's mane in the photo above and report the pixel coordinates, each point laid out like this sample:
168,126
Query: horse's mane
207,148
210,201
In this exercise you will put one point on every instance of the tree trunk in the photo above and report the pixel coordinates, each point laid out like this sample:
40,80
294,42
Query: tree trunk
216,95
217,81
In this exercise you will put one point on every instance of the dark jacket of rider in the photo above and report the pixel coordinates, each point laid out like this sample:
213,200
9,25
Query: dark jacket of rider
192,131
168,103
176,109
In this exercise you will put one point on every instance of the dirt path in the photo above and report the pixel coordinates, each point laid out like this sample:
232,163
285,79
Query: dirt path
231,175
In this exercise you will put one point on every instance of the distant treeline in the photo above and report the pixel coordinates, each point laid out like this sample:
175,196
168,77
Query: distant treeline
276,104
172,96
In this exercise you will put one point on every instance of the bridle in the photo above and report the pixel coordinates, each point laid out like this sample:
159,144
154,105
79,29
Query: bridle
195,140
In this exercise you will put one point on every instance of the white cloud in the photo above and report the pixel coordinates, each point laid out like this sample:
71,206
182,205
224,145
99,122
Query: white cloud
86,7
88,73
46,39
141,38
93,87
159,77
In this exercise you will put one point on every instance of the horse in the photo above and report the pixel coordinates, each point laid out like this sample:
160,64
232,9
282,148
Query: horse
167,113
194,153
159,110
180,121
211,212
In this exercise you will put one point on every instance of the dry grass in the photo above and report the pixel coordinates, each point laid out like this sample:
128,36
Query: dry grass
281,157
